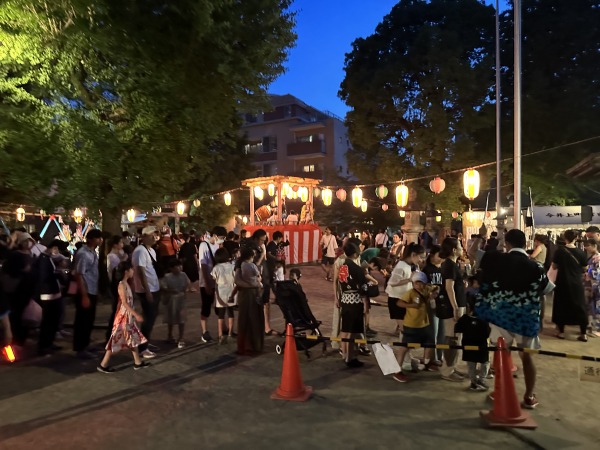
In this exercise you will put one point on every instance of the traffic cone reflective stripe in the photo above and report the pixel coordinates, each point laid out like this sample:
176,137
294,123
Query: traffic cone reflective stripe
507,409
291,387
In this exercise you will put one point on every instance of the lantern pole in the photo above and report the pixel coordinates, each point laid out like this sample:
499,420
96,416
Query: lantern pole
279,205
498,113
251,205
517,125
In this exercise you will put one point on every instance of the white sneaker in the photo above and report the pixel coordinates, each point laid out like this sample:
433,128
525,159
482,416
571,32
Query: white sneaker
181,344
147,354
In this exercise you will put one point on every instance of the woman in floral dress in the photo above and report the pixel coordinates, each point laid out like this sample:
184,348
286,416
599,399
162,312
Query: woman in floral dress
125,332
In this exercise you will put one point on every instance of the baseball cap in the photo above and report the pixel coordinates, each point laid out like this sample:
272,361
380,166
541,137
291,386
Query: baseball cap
419,276
149,230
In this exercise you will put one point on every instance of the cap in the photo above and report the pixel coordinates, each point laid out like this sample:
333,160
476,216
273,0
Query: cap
149,230
24,237
419,276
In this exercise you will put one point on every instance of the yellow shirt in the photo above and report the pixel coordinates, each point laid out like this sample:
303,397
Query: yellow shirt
416,317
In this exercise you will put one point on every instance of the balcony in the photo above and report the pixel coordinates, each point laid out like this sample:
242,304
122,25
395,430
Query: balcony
265,156
306,149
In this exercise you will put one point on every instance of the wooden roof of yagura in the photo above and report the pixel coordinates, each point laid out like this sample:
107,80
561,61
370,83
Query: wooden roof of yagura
263,182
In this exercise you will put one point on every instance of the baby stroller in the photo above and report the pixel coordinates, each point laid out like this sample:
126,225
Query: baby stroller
291,299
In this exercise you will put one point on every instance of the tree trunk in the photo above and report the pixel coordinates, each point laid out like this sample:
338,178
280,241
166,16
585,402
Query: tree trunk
111,220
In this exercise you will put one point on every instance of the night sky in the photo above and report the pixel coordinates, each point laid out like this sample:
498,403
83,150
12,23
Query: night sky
326,29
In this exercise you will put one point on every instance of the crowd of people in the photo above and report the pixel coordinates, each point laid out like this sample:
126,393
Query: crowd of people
471,292
231,272
450,293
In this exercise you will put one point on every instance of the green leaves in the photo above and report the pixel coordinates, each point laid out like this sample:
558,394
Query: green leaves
417,87
130,95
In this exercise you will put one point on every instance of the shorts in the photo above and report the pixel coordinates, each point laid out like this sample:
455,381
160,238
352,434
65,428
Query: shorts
352,318
220,312
396,312
532,342
327,261
417,335
207,301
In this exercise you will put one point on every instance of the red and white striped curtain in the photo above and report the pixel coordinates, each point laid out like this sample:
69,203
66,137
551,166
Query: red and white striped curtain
304,241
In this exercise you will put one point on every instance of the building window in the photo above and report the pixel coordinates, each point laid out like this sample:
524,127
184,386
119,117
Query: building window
253,147
308,168
269,144
269,170
309,138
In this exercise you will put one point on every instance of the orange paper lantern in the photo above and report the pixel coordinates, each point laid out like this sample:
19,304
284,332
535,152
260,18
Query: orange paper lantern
437,185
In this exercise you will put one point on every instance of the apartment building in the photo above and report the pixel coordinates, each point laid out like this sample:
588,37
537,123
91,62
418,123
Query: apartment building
296,139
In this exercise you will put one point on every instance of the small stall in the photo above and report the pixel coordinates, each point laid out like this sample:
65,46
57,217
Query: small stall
557,219
304,233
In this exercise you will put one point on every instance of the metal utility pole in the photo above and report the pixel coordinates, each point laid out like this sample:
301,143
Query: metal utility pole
517,143
498,111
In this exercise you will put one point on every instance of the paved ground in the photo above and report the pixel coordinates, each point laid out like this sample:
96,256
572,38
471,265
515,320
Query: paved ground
206,397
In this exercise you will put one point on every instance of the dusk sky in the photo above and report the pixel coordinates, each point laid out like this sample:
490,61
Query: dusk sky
326,29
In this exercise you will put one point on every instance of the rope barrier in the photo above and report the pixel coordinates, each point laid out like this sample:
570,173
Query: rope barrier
449,346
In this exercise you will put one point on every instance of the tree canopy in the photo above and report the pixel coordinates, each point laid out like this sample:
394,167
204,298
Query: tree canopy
120,102
417,87
421,89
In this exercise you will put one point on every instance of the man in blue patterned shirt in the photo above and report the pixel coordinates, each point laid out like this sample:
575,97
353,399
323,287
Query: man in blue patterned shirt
509,299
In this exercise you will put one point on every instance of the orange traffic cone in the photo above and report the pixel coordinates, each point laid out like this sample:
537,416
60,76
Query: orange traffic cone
291,387
507,410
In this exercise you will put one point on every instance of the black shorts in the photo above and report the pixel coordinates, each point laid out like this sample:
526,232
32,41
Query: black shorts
207,301
353,320
396,312
220,312
327,261
417,335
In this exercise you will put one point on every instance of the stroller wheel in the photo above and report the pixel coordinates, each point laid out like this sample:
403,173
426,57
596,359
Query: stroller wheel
278,349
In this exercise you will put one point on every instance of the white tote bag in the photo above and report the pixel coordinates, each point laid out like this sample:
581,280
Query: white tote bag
386,358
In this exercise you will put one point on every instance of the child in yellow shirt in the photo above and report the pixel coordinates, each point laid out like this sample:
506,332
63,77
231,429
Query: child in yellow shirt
416,321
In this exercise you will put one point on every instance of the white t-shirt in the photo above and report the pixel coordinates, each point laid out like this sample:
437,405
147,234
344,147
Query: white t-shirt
37,249
205,259
402,271
141,258
330,244
381,239
224,284
112,261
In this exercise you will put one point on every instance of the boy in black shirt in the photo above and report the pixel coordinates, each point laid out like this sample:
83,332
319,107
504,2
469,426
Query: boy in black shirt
475,332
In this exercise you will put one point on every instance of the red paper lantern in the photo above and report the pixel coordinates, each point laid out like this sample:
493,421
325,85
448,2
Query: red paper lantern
384,207
341,195
437,185
454,214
